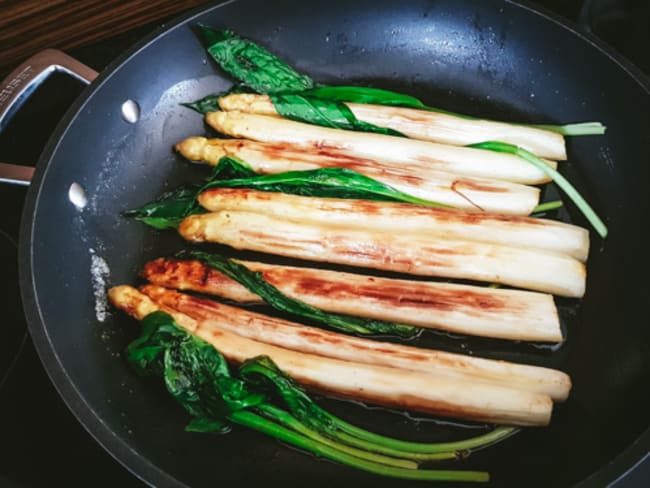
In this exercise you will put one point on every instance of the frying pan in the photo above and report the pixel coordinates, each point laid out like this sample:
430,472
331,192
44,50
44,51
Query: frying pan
490,58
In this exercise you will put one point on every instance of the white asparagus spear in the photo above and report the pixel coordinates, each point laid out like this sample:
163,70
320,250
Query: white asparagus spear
390,149
465,309
438,186
428,256
516,231
317,341
427,125
391,387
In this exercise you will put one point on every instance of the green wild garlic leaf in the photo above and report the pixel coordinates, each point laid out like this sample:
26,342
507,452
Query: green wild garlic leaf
254,282
323,182
323,112
168,210
251,64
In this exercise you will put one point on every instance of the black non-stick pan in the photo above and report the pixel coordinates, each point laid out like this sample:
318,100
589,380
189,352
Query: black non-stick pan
489,58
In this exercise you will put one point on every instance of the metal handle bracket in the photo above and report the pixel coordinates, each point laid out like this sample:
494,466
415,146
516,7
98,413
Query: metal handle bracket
21,83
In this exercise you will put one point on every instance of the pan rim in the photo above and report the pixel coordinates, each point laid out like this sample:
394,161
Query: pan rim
141,467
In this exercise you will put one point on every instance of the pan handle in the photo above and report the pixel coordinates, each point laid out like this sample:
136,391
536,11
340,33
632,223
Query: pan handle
21,83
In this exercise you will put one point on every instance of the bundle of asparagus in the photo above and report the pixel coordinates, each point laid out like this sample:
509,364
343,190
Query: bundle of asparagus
463,309
466,217
461,161
426,125
452,145
370,244
448,386
413,178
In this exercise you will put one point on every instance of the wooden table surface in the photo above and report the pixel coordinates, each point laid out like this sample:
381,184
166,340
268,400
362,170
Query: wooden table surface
28,26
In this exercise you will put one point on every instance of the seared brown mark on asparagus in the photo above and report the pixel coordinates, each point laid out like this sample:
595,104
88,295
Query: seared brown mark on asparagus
412,178
419,255
389,149
386,386
517,231
426,125
507,314
331,344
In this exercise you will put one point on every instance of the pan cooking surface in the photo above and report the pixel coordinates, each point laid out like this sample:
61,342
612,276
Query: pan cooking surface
491,59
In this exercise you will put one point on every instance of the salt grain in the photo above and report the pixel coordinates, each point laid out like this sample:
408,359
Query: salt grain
99,272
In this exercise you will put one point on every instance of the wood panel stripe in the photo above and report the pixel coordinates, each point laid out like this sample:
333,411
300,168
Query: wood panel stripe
28,26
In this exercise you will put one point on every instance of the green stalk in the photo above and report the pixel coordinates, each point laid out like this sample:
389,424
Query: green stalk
281,433
262,369
363,444
416,456
560,180
547,206
289,421
393,447
579,129
424,448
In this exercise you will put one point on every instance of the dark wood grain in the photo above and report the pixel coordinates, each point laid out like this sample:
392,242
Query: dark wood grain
28,26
